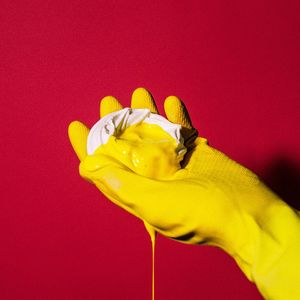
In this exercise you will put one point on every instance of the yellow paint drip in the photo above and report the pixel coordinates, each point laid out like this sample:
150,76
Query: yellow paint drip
152,234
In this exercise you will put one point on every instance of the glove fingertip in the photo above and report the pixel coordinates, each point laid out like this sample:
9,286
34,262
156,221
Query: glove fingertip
108,105
142,98
176,112
78,134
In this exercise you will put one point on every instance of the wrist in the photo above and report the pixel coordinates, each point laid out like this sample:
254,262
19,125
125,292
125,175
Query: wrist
276,260
268,255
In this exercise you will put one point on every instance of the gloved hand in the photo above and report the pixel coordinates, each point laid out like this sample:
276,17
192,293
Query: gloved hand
211,200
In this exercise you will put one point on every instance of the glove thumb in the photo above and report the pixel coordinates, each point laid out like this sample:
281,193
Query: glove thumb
137,194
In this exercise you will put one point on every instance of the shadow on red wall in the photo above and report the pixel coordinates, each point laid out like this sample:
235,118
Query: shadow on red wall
283,177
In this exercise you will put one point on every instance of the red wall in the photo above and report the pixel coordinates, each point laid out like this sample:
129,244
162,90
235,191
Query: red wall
235,65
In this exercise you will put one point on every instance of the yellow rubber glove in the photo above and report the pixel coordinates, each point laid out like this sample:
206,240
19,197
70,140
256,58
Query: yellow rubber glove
212,200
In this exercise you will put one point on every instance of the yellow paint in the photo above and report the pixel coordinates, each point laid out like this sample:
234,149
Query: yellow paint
146,149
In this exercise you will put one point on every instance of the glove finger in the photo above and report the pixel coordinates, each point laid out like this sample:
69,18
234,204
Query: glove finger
141,98
108,105
176,112
78,134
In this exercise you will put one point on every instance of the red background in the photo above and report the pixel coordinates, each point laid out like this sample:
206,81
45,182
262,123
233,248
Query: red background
235,65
